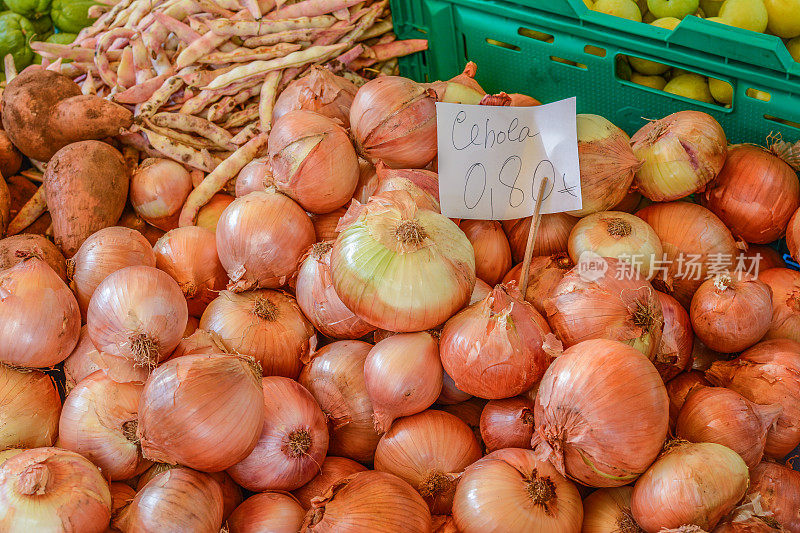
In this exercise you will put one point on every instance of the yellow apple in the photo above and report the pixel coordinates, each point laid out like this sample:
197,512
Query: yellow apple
711,7
717,20
794,48
784,17
669,23
747,14
654,82
722,91
672,8
692,86
626,9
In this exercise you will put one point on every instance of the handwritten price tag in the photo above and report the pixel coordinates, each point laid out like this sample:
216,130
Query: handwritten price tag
492,160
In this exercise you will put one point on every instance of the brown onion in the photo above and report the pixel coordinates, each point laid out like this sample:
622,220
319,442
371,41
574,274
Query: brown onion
48,489
674,352
122,495
512,490
450,393
755,194
403,375
747,523
785,286
293,441
318,299
29,408
469,412
393,119
444,524
261,238
758,258
481,291
629,202
779,489
494,348
372,501
255,176
367,181
325,225
158,189
609,510
768,373
334,469
731,312
507,423
17,248
319,91
492,252
678,388
551,238
544,274
202,411
264,324
130,219
209,215
793,236
189,256
429,450
422,185
39,317
682,152
269,511
703,356
602,413
689,484
231,492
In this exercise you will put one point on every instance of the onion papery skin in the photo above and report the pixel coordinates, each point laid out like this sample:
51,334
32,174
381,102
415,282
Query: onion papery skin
318,299
494,348
723,416
261,238
429,450
122,495
39,317
492,251
609,511
755,194
268,511
444,524
265,324
544,274
49,489
767,373
103,253
602,413
461,89
703,356
320,91
158,190
748,524
779,489
607,164
422,185
678,388
689,484
682,152
512,490
210,214
220,391
81,362
325,225
29,408
372,501
619,235
551,238
176,500
293,441
334,469
481,291
690,234
335,377
403,374
507,423
785,286
402,268
367,181
99,422
18,248
674,353
618,304
313,161
255,176
137,313
393,119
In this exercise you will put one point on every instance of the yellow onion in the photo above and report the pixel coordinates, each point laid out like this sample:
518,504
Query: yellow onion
461,89
678,388
755,194
39,317
785,286
429,450
334,375
778,487
629,203
422,185
767,373
81,362
469,412
731,312
399,267
209,215
99,421
689,484
512,490
613,302
393,119
137,313
609,511
481,291
403,375
372,501
703,356
367,181
793,236
334,469
682,152
602,413
261,238
552,237
29,408
320,91
158,189
264,324
48,489
268,511
492,252
450,393
255,176
293,441
758,258
716,414
318,299
325,225
122,495
694,240
674,352
507,423
131,219
201,411
231,492
619,235
444,524
313,161
544,274
607,164
494,348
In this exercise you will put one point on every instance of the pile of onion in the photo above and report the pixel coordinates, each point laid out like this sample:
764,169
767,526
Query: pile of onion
422,185
255,176
602,413
494,348
674,352
682,152
399,267
29,408
779,489
334,469
268,511
544,274
609,510
507,423
492,251
159,187
785,286
551,238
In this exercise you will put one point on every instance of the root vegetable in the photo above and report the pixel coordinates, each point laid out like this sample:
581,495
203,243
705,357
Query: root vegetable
16,249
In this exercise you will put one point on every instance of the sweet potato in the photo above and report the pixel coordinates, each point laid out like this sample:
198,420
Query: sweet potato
10,158
86,185
5,207
19,247
22,190
44,111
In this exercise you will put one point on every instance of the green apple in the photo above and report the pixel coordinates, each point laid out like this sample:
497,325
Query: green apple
722,91
672,8
794,48
747,14
654,82
784,17
626,9
692,86
711,7
668,23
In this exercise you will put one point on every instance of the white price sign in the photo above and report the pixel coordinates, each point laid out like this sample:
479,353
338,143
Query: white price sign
492,159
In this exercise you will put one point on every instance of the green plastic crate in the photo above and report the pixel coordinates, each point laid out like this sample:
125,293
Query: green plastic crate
499,37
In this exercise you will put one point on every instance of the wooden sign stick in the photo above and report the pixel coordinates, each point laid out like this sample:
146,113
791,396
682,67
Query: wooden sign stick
536,220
